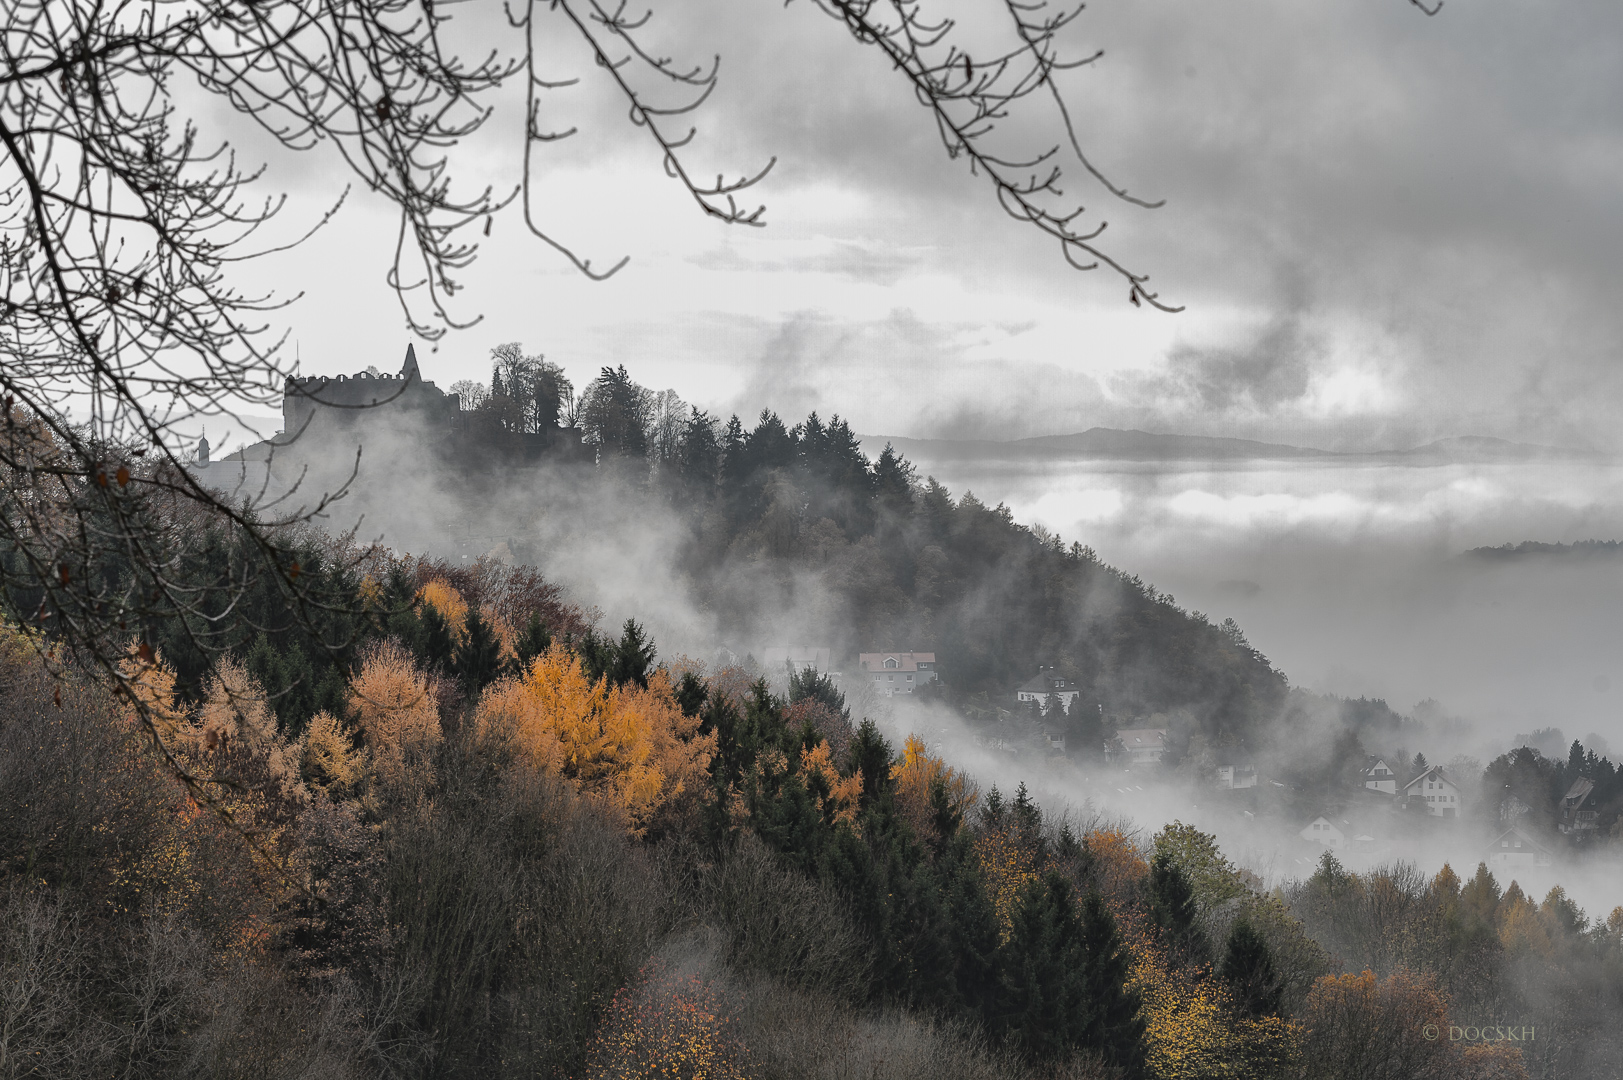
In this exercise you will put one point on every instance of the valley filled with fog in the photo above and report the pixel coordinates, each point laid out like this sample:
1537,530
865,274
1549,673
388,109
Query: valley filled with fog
1353,578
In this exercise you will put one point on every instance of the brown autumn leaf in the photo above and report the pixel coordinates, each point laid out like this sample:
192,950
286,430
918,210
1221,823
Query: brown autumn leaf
123,476
145,653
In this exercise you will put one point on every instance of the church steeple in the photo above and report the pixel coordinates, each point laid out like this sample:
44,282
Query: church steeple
409,371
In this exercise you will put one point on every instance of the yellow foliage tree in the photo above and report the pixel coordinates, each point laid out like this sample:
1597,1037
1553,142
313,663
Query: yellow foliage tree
844,793
398,711
1193,1030
439,595
629,747
327,758
1009,866
915,774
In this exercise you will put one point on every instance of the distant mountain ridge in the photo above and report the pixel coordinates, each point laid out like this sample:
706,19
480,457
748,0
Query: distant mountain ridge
1115,444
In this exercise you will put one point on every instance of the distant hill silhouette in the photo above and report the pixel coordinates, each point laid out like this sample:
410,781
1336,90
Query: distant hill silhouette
1115,444
1532,548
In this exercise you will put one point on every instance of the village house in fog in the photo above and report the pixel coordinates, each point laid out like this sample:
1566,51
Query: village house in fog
1324,831
897,672
1141,746
1580,808
1380,777
1237,776
1513,849
1438,791
1046,686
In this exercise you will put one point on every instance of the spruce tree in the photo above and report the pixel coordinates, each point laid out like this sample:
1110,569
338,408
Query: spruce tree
1248,968
1113,1025
535,640
1172,908
477,658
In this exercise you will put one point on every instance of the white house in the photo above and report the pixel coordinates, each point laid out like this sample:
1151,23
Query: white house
897,672
1380,777
1441,793
1322,830
1047,685
1143,746
1513,848
1237,776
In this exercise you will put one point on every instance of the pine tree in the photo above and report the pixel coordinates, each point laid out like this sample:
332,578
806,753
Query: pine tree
1172,908
435,646
535,640
871,757
1113,1025
634,656
477,658
1248,967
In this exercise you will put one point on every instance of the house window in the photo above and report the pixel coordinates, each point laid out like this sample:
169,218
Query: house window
910,678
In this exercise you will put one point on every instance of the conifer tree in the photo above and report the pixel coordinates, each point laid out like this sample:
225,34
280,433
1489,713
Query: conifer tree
1248,967
477,658
1113,1026
536,639
1172,908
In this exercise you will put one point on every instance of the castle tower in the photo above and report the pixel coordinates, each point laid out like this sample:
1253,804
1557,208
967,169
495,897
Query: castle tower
409,370
203,450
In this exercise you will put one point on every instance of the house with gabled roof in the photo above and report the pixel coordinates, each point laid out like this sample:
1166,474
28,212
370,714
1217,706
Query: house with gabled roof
1046,686
1516,848
897,672
1322,830
1436,791
1140,746
1380,777
1580,808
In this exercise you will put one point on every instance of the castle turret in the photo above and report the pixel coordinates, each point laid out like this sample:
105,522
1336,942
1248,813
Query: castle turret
203,450
409,370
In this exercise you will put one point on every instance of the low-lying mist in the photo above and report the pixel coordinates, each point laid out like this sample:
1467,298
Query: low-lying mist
1352,581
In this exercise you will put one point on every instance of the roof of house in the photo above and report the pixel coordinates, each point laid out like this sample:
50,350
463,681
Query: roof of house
1436,772
1515,834
1377,764
1580,790
905,661
1049,684
1142,738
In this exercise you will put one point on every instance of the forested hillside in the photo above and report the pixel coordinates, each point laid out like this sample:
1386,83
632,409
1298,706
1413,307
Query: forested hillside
403,817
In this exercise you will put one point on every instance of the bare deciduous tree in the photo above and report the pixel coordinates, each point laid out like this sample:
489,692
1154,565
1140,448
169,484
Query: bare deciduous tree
120,225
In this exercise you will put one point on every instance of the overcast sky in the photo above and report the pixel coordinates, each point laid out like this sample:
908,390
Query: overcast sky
1385,228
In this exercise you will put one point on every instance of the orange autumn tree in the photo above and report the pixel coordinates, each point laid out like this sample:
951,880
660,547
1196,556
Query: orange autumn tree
628,747
916,774
398,711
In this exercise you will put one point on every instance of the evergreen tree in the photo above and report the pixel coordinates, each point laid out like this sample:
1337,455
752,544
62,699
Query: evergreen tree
1248,967
436,647
1172,908
1419,765
871,758
1113,1025
809,683
477,658
535,640
634,656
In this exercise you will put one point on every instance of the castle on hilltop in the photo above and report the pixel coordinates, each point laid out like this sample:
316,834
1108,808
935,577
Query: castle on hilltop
342,399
